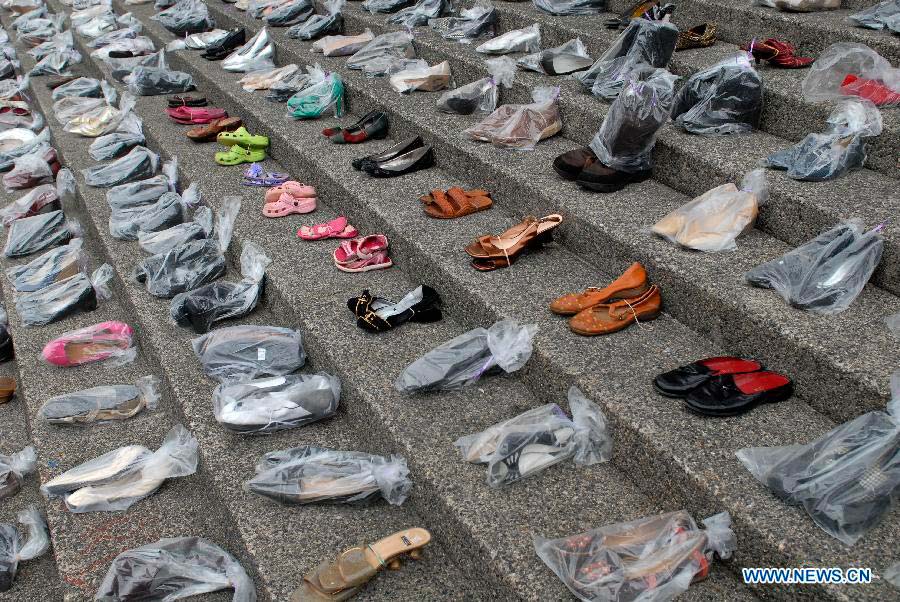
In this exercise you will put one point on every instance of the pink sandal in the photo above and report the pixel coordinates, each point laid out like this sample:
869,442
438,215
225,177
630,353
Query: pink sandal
291,187
377,261
195,115
289,205
336,228
360,248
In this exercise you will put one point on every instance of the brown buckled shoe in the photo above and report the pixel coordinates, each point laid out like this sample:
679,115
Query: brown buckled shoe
632,283
608,318
597,177
569,165
699,36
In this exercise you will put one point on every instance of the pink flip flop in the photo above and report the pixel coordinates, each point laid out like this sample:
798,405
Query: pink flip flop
365,247
291,187
195,115
289,205
336,228
92,344
377,261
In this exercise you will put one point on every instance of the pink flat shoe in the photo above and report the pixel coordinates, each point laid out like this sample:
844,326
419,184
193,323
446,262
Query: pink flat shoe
377,261
336,228
364,247
291,187
289,205
195,115
92,344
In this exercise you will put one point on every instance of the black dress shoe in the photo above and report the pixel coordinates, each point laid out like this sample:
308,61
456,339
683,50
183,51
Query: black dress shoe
597,177
376,314
570,164
372,127
414,160
681,381
734,394
219,50
395,151
7,353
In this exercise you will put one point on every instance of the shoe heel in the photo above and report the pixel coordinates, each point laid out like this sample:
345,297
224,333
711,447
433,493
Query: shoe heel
544,237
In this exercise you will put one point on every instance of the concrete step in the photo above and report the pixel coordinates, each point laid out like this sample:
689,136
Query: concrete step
658,443
818,351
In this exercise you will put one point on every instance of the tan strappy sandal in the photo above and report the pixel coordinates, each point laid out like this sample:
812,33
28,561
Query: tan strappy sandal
456,202
492,252
345,576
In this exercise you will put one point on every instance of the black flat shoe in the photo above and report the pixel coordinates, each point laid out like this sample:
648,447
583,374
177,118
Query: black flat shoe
7,352
187,101
375,127
564,64
734,394
376,314
414,160
336,130
681,381
219,50
398,149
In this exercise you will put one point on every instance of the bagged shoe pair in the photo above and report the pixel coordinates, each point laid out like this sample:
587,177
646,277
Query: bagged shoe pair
13,470
521,127
481,96
479,21
316,26
324,91
111,342
79,293
248,352
14,548
363,254
562,60
100,404
377,314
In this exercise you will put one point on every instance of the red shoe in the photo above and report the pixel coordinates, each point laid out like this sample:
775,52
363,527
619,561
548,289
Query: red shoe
777,53
870,89
194,115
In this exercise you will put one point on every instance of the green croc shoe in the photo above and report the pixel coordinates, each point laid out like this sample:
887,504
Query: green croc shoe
244,138
238,154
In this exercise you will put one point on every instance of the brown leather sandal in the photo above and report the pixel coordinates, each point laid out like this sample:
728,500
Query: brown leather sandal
529,231
203,133
344,577
456,202
608,318
632,283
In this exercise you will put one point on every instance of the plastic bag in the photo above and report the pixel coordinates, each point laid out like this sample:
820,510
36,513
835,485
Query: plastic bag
643,42
32,170
712,221
149,81
165,240
30,143
13,469
138,193
880,16
14,548
521,127
64,41
627,136
65,297
316,26
726,98
893,323
32,234
185,17
56,63
325,91
170,209
252,54
110,342
527,39
393,45
110,146
265,78
97,26
471,24
98,404
480,96
573,50
84,87
242,353
892,574
171,569
571,7
343,45
420,13
127,33
101,119
290,13
805,5
826,274
539,438
505,346
618,562
276,403
139,163
283,90
310,474
846,480
386,6
836,151
846,69
53,266
421,77
122,67
192,264
118,479
139,46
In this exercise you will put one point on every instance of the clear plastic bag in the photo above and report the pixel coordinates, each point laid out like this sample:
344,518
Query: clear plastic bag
242,353
129,134
266,78
118,479
276,403
386,6
185,17
290,13
32,170
506,346
32,234
325,91
539,438
122,67
726,98
126,33
139,46
170,209
69,107
15,549
164,241
332,22
846,480
527,39
892,574
257,51
56,63
311,475
192,264
200,308
283,90
171,569
421,77
644,42
100,404
805,6
574,49
343,45
846,69
139,163
893,323
101,119
420,13
65,297
884,15
97,26
392,45
571,7
472,23
84,87
826,274
63,41
712,221
30,143
53,266
149,81
140,192
836,151
480,96
650,559
13,470
627,136
41,199
109,342
521,127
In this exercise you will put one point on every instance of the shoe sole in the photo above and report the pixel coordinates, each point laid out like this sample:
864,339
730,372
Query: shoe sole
603,187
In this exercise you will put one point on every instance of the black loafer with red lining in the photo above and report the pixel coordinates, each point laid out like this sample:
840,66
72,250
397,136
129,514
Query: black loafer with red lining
681,381
734,394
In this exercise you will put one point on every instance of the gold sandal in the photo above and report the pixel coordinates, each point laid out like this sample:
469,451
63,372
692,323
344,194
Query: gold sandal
344,577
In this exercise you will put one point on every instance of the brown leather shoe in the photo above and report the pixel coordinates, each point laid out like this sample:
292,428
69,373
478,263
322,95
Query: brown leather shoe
7,388
569,165
632,283
608,318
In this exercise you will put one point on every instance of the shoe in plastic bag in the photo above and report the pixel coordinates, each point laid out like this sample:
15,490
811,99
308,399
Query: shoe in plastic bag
32,170
201,308
316,26
13,470
32,234
130,133
421,77
149,81
392,45
386,6
145,191
849,69
118,479
310,475
472,23
325,91
14,548
884,15
506,346
420,13
97,26
726,98
203,40
243,353
281,91
139,163
52,267
539,438
562,60
712,221
652,558
104,403
110,342
138,46
185,17
69,107
169,210
256,49
64,41
805,6
19,142
41,199
826,274
266,78
78,293
56,63
276,403
343,45
480,96
164,241
571,7
643,42
527,39
173,569
122,67
100,120
125,33
290,13
84,87
521,127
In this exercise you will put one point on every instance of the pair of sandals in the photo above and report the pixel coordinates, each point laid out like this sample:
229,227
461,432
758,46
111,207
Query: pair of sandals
243,147
289,198
336,228
489,252
363,254
455,202
255,175
376,314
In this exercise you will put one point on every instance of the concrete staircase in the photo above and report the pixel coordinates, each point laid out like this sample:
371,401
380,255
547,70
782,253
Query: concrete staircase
665,458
